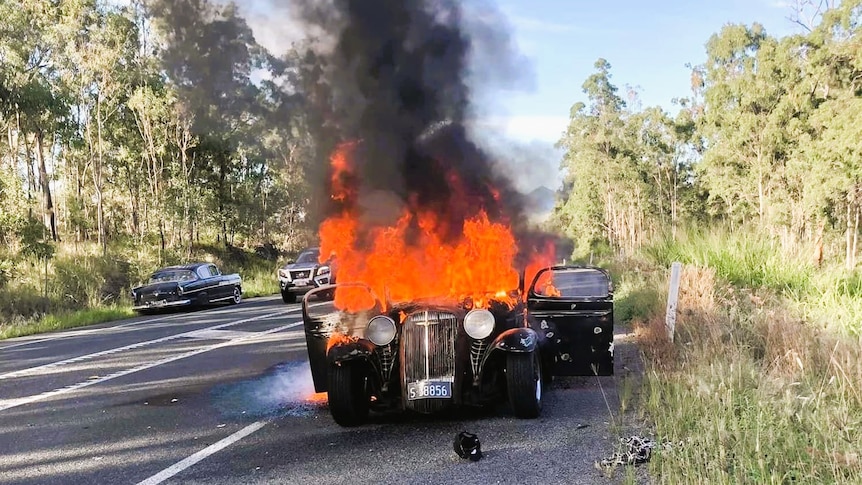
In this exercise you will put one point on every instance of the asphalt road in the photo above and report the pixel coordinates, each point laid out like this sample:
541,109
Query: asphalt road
222,396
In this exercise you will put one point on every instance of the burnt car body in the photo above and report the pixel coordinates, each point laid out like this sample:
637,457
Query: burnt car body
305,274
426,356
196,284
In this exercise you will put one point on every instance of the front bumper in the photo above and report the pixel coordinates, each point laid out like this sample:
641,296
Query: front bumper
155,305
303,285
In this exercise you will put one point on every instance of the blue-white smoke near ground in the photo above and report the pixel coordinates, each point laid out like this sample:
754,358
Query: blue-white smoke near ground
283,391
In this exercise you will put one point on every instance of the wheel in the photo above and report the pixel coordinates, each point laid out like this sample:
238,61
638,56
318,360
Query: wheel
237,295
349,398
524,382
327,295
288,297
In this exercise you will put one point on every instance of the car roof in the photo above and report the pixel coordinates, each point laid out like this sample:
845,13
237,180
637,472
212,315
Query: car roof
189,266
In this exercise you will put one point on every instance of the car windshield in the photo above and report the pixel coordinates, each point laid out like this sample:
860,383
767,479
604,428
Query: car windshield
308,257
172,275
571,283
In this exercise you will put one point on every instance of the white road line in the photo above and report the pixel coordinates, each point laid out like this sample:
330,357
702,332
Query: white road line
204,453
31,370
14,403
76,332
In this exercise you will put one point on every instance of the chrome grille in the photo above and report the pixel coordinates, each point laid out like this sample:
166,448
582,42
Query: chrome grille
162,295
477,348
428,352
387,358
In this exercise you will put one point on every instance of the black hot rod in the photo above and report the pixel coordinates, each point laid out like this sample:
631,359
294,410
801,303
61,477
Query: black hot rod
428,355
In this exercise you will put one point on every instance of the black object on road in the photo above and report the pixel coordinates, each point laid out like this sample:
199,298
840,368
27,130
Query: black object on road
467,446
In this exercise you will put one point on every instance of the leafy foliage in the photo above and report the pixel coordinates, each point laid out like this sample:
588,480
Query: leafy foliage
768,136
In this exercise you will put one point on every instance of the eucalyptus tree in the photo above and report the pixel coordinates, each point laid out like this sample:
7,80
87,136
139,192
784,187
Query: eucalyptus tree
101,68
747,122
35,105
610,191
831,153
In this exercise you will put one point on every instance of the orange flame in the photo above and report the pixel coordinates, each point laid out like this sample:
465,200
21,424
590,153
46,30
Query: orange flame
541,259
317,398
339,339
341,172
479,264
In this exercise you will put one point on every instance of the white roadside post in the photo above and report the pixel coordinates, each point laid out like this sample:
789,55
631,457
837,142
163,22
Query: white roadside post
672,295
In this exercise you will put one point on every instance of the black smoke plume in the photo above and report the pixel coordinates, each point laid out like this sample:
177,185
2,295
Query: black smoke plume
398,72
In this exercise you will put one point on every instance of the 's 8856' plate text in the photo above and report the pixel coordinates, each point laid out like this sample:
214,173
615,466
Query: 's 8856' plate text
429,390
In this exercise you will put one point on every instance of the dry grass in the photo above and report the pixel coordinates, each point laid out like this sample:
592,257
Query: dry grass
748,393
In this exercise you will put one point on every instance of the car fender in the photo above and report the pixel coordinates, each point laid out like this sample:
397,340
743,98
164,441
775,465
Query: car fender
353,350
359,350
513,340
522,339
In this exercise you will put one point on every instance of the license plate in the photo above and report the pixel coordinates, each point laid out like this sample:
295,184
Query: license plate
429,390
300,282
159,303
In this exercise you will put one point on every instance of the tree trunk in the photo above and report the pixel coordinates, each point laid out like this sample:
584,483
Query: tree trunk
31,177
221,197
97,181
855,239
761,197
47,202
848,238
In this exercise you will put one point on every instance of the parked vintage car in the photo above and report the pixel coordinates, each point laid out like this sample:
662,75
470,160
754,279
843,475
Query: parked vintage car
305,274
425,356
195,284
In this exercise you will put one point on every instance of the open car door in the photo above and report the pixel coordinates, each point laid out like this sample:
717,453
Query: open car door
572,309
322,317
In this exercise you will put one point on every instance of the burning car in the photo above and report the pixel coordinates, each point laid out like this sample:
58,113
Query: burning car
195,284
304,274
426,355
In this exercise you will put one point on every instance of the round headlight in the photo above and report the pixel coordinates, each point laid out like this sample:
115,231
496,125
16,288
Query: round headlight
380,330
479,323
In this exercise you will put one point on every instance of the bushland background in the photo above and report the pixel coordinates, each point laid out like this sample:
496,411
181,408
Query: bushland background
129,143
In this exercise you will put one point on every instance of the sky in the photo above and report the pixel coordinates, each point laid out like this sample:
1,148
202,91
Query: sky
647,43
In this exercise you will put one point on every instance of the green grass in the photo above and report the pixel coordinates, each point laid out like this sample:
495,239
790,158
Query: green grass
65,320
743,258
763,382
84,287
634,298
259,282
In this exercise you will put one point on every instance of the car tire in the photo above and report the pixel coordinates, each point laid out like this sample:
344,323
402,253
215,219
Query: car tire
349,399
288,297
524,383
237,295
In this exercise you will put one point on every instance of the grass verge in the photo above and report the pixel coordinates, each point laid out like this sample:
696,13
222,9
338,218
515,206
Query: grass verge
82,287
752,389
259,282
65,320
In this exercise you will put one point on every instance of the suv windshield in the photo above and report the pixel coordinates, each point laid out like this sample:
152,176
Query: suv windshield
308,256
173,275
